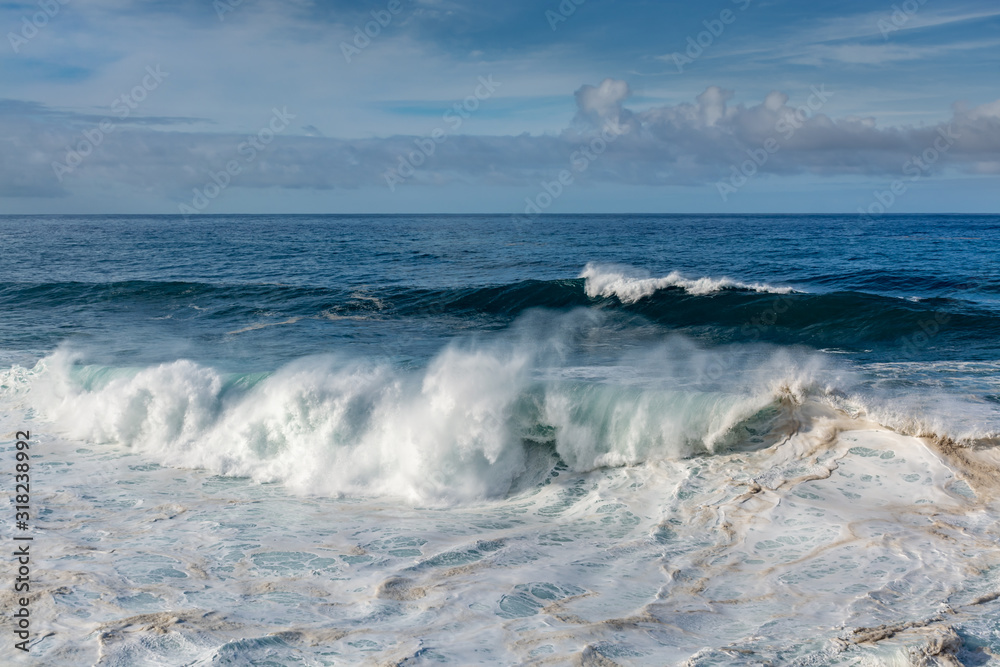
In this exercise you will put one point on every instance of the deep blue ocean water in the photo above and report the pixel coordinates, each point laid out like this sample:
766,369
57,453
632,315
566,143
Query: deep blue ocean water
133,290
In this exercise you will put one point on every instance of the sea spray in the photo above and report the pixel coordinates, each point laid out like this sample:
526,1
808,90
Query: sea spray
464,427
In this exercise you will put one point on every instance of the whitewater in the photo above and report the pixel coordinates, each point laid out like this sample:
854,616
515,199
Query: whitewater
408,441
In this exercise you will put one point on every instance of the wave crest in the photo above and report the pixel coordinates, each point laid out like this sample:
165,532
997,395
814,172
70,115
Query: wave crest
475,423
482,419
629,285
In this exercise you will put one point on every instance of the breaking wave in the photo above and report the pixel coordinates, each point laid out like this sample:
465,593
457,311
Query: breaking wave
631,286
480,420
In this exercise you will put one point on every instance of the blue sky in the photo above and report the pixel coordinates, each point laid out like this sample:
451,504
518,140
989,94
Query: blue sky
268,106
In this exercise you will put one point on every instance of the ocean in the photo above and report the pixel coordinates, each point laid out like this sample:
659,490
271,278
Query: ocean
478,440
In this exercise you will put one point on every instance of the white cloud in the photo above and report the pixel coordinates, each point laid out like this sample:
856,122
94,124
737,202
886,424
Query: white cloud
603,104
688,143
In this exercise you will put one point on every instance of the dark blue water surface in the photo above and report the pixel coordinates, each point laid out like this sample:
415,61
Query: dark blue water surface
253,292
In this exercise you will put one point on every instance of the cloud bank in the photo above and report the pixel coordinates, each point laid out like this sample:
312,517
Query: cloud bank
701,142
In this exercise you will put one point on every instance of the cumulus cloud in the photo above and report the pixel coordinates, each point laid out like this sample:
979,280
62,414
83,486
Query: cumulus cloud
602,105
692,143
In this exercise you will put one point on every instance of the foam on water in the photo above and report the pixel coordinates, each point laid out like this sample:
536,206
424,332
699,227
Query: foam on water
631,285
844,544
645,510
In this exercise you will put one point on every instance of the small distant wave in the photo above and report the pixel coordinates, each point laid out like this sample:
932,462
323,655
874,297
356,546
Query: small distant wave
629,286
263,325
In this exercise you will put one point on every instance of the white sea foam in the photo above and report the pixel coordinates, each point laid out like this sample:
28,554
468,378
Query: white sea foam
468,426
631,285
837,546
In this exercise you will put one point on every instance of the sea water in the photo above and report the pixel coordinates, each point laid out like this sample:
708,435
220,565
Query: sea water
598,440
